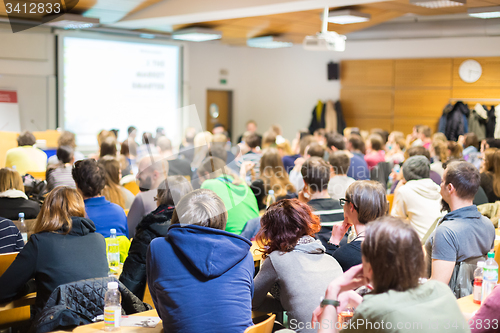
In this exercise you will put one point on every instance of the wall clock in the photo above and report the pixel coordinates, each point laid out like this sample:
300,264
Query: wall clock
470,71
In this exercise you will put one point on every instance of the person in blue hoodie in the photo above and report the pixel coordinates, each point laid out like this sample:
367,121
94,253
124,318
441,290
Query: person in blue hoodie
200,276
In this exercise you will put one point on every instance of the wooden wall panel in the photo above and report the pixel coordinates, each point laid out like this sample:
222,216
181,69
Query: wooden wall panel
423,73
489,78
367,73
417,94
476,93
367,123
366,102
420,103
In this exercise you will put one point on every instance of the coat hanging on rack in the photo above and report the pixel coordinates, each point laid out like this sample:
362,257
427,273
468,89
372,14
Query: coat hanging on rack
328,116
318,117
477,121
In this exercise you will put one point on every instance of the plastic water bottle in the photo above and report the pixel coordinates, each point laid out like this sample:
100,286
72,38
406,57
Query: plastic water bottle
270,198
112,307
113,253
490,275
22,228
478,282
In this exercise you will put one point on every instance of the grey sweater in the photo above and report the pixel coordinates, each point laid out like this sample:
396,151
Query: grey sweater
303,275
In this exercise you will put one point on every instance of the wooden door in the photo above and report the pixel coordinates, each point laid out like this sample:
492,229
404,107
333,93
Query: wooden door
219,109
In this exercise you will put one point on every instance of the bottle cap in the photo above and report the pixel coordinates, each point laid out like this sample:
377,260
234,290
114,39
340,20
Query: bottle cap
21,215
113,231
112,285
481,263
271,191
491,254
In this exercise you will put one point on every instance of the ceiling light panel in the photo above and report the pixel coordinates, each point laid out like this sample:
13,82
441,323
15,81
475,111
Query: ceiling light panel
438,3
347,17
485,12
196,34
268,42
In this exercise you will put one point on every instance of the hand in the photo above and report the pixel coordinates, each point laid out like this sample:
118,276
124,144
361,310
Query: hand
341,289
349,298
351,279
299,161
338,231
461,140
247,166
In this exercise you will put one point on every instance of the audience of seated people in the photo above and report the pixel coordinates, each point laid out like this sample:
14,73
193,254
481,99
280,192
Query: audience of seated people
90,179
463,233
25,157
63,248
13,200
200,276
152,171
113,191
153,225
66,139
364,202
295,262
316,174
393,265
334,210
417,198
237,196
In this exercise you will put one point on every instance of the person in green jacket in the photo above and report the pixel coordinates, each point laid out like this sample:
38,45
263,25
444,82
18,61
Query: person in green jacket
393,266
237,196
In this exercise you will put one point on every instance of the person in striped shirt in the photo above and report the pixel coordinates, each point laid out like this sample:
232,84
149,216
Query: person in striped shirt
316,174
10,237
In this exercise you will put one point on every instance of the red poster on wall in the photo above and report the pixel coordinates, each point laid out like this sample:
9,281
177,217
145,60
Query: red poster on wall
9,111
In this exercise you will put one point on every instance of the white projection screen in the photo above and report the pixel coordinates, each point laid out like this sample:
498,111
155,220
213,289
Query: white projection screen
113,82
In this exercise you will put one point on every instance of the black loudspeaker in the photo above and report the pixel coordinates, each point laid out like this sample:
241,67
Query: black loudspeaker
333,71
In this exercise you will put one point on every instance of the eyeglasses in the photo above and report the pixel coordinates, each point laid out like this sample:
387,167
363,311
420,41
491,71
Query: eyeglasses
343,201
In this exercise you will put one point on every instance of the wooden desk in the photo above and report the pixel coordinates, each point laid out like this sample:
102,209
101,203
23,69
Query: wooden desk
467,306
99,327
20,302
257,255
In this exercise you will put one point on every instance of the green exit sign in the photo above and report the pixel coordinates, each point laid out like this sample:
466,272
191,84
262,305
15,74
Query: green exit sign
223,81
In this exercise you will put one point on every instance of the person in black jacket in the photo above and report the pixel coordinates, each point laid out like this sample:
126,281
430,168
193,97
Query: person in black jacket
13,200
64,248
153,225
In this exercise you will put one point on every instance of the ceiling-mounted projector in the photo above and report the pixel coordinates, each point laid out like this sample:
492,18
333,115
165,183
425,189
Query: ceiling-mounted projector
325,41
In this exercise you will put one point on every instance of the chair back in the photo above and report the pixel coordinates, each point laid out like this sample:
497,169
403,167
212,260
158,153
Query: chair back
265,326
132,187
40,175
390,200
6,260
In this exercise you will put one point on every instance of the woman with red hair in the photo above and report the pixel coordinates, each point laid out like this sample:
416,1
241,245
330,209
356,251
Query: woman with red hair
296,270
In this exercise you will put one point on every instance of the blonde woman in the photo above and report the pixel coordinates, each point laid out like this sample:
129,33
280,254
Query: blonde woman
13,200
64,248
113,191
